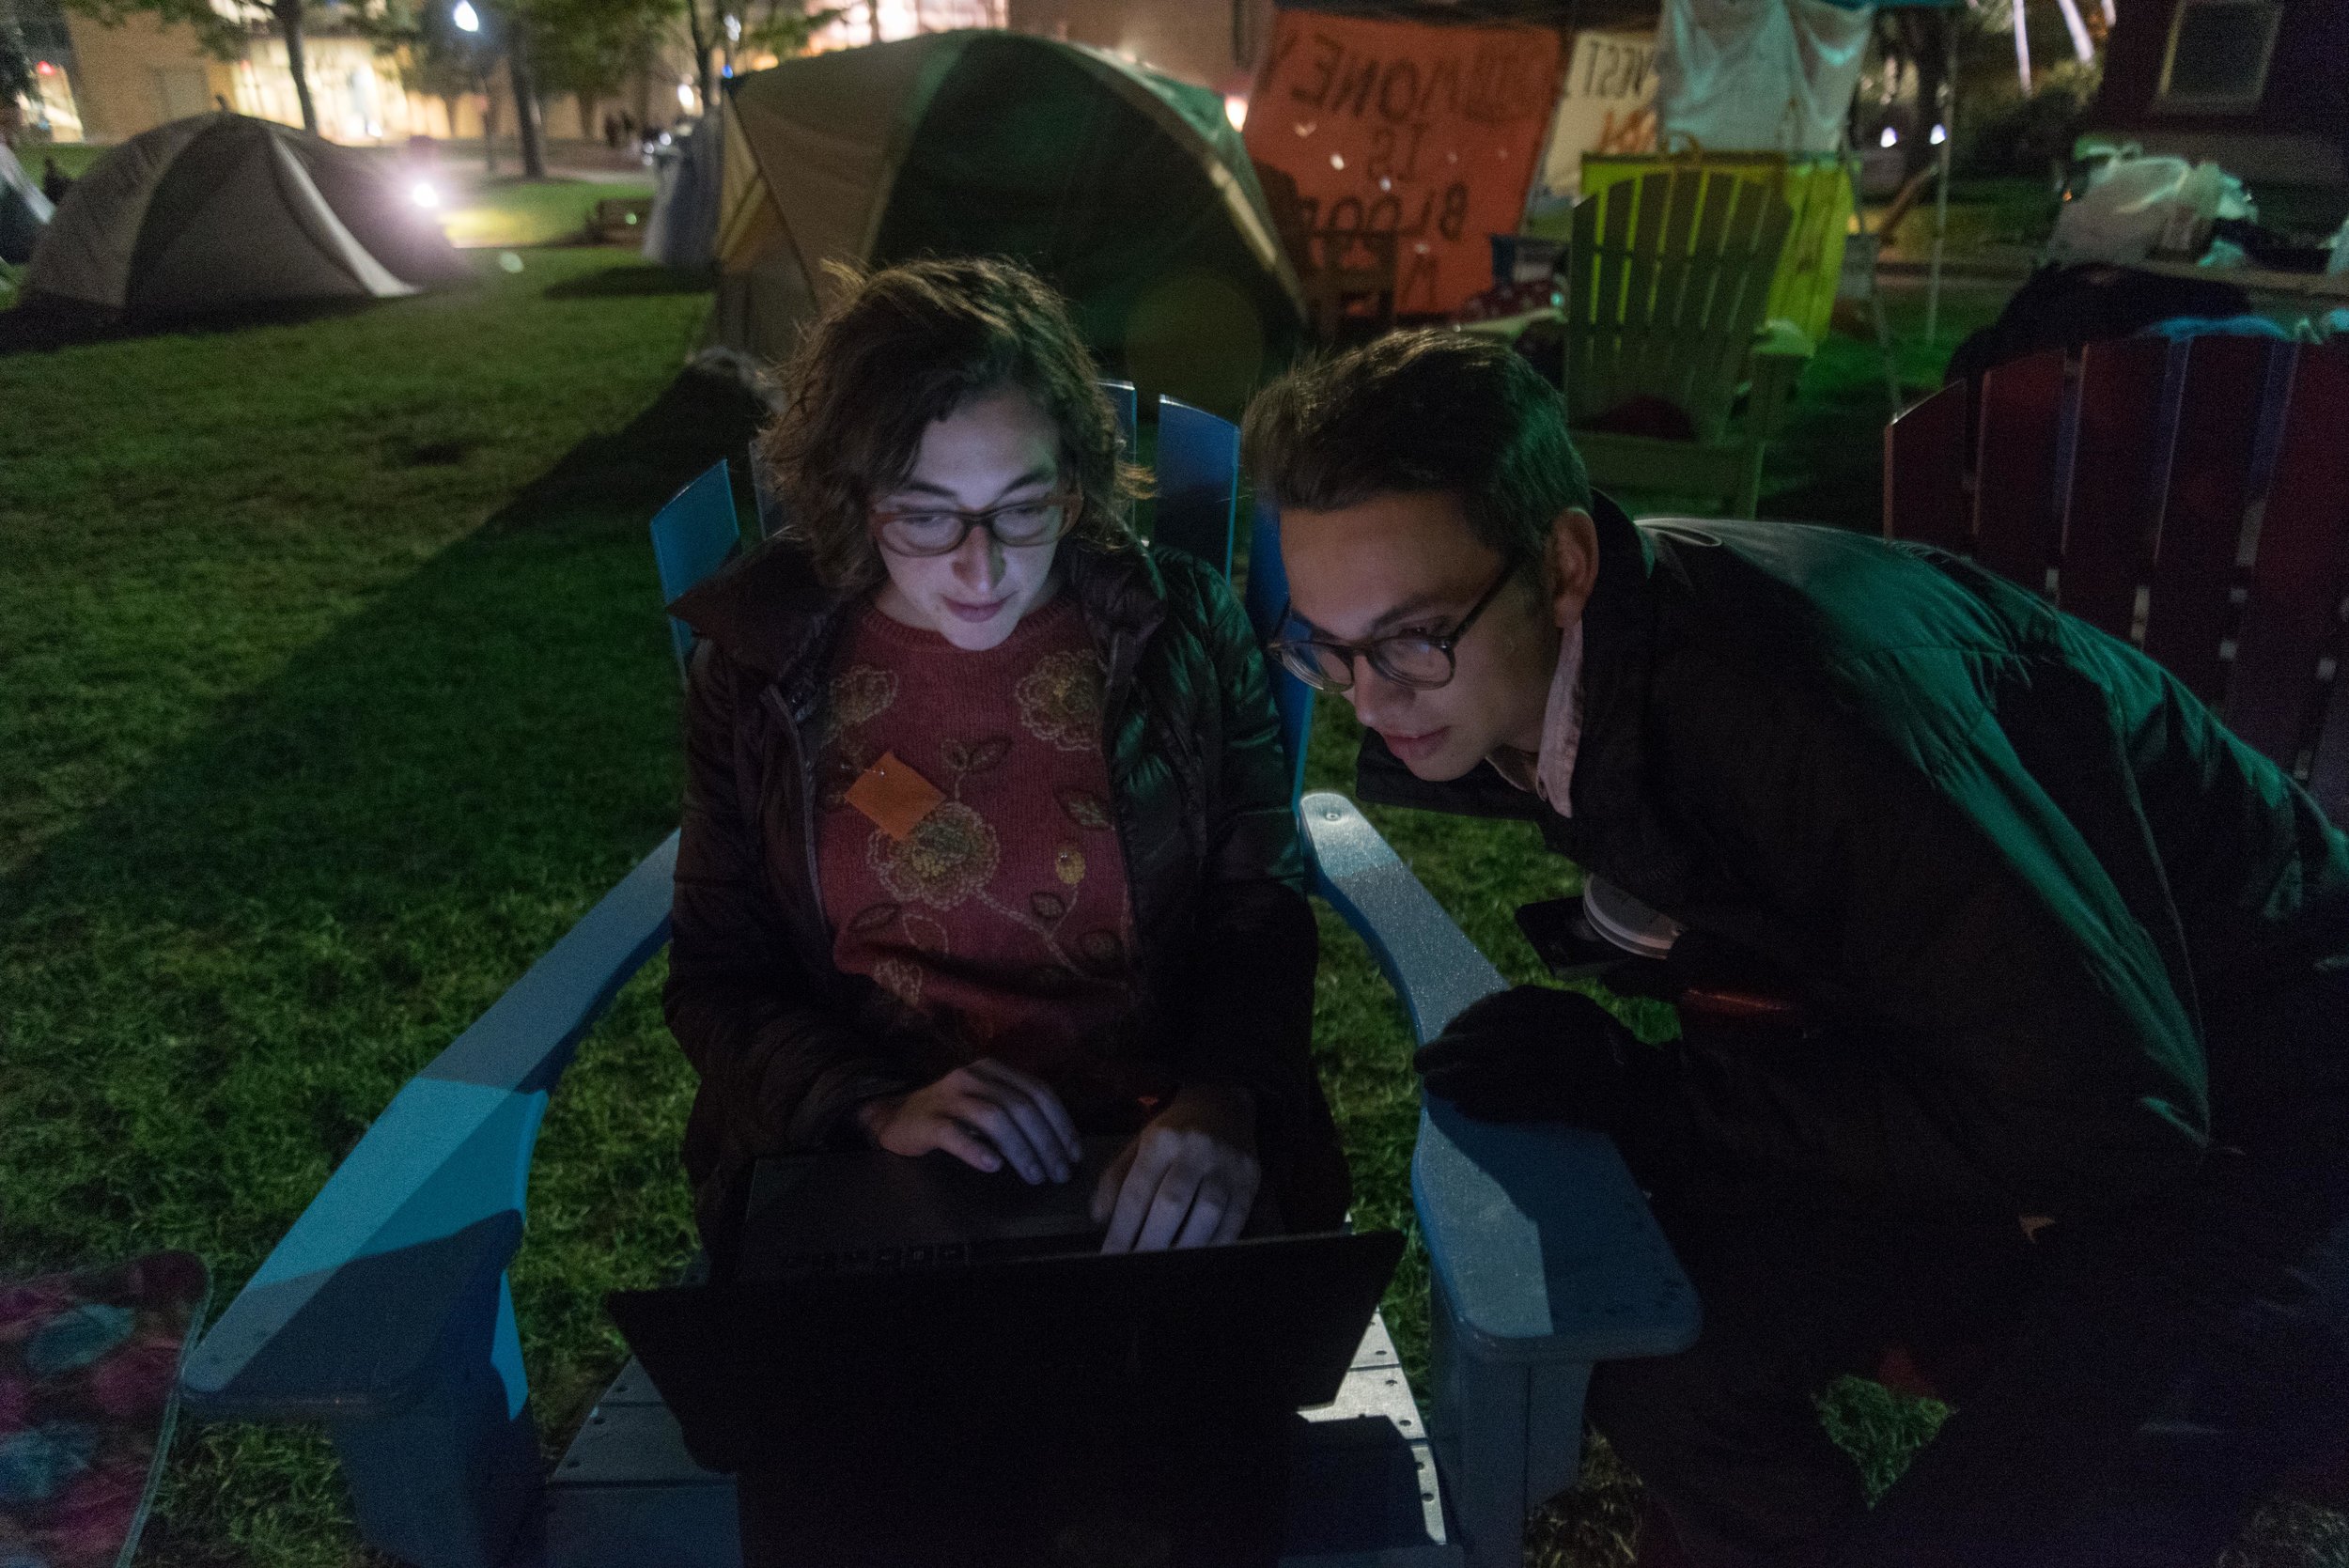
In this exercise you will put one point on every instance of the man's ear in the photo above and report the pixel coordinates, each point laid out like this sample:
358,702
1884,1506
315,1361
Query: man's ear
1572,561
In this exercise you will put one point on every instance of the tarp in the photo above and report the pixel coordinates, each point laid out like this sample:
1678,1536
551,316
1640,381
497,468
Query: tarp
1424,130
219,212
1759,75
1127,191
23,210
682,230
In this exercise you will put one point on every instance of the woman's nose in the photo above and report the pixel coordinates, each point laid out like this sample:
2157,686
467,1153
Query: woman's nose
980,560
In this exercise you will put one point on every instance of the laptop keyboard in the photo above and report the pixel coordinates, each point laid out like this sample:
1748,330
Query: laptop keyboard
948,1254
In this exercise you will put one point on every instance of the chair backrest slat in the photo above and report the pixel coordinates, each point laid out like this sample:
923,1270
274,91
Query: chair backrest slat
2203,515
1198,474
2015,480
2113,511
1925,473
1267,596
693,537
2292,616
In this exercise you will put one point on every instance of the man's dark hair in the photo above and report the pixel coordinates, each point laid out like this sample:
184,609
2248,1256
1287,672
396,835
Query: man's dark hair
1418,411
904,347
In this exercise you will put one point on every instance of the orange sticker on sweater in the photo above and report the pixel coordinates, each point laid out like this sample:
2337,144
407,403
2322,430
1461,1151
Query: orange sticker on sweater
894,796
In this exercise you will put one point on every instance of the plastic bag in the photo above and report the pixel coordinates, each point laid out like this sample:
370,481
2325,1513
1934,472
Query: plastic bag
2134,205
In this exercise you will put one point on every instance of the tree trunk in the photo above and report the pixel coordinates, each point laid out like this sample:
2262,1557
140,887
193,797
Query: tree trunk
525,104
489,129
1930,55
289,15
704,42
588,126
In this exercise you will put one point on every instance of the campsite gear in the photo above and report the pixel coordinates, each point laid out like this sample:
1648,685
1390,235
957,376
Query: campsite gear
2065,307
683,231
1127,190
1427,129
2190,497
24,212
89,1369
385,1311
1667,282
1225,960
1532,1053
219,213
1746,78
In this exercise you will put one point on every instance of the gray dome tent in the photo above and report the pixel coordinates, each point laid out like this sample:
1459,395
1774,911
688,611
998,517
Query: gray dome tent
23,210
221,213
1129,191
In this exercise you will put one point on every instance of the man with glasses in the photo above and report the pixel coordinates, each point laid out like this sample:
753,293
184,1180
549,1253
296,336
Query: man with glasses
2050,1080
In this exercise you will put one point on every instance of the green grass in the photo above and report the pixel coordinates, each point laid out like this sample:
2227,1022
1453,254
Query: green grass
516,212
335,689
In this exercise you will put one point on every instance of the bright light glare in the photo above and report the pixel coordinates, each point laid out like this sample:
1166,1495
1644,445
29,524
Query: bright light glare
1890,138
734,29
685,95
423,194
1940,134
467,19
1236,110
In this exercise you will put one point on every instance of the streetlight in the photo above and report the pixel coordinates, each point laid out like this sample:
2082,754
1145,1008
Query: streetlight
467,19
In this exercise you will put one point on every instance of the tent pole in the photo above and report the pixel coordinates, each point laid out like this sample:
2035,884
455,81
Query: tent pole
1941,197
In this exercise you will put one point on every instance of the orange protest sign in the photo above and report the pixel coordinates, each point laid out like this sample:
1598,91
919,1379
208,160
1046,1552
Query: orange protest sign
1423,131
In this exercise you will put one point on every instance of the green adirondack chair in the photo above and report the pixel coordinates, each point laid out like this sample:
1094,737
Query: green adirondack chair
1668,286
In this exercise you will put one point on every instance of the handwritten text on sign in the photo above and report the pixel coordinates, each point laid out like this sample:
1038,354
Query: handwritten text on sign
1426,132
1608,106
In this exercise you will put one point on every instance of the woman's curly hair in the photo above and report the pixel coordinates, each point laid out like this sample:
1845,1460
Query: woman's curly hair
904,347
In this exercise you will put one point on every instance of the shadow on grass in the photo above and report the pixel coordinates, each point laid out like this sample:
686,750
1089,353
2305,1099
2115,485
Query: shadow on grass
346,866
616,283
43,323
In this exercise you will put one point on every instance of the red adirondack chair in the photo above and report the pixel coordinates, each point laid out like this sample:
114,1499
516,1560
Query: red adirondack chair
2191,497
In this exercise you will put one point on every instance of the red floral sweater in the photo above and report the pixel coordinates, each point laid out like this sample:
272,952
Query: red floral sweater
967,848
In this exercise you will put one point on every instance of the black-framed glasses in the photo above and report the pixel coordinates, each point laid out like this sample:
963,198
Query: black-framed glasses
940,530
1408,659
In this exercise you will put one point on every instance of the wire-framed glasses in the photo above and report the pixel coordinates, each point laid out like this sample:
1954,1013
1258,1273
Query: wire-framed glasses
940,530
1412,659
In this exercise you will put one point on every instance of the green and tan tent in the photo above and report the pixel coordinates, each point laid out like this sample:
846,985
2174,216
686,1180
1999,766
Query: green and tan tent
219,213
1127,190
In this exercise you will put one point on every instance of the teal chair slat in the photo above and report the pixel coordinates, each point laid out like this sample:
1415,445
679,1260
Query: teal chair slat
694,536
1198,481
1267,600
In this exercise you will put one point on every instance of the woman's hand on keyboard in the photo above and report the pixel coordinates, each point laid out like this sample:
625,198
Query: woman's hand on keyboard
1187,1179
986,1115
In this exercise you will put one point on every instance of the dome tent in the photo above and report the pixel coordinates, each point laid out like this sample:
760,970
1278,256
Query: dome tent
1126,189
221,213
23,210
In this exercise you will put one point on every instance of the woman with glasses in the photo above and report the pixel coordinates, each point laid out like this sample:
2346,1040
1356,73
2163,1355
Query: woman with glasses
987,841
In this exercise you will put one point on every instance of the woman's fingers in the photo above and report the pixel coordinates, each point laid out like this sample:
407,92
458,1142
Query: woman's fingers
1040,1095
1112,1182
997,1123
1162,1222
1211,1206
967,1147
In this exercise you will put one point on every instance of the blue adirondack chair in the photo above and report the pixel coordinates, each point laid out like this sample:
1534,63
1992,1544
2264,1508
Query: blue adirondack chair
385,1312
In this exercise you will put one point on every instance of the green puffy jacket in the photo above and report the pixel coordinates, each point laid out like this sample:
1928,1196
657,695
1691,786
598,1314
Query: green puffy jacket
2015,866
786,1045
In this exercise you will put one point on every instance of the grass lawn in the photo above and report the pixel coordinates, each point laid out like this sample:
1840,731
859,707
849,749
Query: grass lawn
335,689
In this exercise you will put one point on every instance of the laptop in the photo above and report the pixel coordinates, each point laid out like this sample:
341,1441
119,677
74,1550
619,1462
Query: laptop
920,1302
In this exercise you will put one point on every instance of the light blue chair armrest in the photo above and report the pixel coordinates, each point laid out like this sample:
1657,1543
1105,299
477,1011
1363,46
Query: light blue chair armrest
1434,968
384,1311
1543,1259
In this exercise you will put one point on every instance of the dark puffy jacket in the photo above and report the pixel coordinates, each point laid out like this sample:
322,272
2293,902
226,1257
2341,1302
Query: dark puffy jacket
2015,864
786,1045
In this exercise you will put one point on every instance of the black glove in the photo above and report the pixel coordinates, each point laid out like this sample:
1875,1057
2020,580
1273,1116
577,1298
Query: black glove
1533,1054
